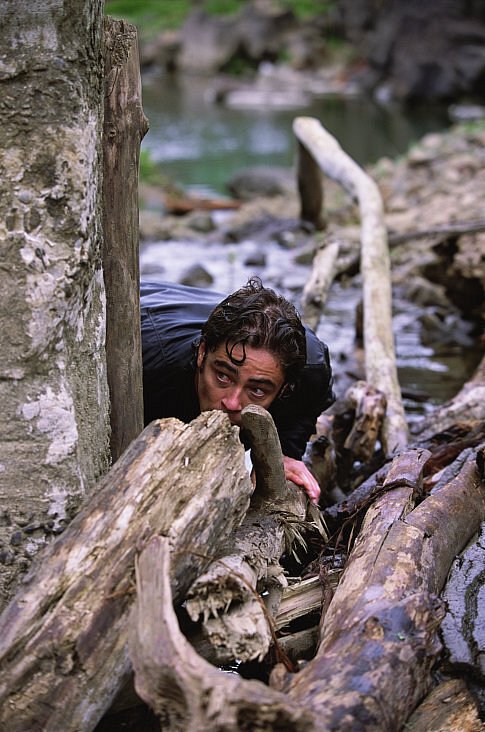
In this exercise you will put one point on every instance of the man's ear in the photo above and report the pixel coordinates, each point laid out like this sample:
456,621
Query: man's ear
200,354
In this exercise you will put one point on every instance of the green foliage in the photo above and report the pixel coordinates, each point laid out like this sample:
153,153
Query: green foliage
153,16
308,8
150,16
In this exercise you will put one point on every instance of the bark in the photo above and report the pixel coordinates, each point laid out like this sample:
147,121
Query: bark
54,422
124,128
63,637
380,359
450,707
378,639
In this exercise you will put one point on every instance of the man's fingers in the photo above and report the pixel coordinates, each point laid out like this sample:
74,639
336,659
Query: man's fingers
297,472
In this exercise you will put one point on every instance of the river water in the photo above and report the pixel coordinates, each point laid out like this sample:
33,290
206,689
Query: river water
201,145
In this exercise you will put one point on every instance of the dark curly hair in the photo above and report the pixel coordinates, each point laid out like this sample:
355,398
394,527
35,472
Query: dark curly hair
256,316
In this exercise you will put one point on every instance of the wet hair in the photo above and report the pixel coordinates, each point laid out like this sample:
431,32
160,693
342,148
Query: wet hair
258,317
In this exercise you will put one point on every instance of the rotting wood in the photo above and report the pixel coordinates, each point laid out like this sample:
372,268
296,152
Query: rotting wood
380,359
125,125
63,637
186,692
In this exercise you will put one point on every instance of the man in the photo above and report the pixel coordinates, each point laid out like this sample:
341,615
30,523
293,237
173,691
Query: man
201,353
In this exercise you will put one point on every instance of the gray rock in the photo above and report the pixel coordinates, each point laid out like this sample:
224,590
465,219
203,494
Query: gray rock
197,276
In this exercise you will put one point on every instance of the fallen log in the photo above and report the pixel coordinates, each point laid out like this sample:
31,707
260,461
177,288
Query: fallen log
380,358
378,636
379,633
467,405
63,638
454,228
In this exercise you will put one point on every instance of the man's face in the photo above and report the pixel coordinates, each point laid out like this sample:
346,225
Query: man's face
222,385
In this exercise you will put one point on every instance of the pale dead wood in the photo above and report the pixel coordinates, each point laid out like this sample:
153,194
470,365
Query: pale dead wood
317,286
63,638
369,405
466,406
186,692
380,360
234,619
125,125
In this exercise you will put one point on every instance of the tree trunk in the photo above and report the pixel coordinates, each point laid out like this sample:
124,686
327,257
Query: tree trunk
63,637
54,421
124,128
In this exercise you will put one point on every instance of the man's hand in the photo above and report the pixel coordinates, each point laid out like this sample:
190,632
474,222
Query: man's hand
297,471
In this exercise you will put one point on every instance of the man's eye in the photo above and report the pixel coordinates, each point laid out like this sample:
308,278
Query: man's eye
222,377
258,393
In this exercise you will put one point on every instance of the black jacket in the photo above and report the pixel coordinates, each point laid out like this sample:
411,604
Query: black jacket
171,321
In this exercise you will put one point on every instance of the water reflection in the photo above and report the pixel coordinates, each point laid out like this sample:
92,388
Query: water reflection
201,144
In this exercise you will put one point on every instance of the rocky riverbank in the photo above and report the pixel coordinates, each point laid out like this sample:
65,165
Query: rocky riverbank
433,199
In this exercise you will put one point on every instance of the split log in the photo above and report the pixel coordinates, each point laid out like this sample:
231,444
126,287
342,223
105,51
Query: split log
463,627
125,125
378,639
380,358
226,596
63,638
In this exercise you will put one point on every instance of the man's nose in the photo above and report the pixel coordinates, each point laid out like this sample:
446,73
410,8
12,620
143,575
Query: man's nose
232,400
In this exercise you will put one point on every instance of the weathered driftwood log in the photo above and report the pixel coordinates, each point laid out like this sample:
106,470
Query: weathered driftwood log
63,638
380,359
317,286
234,619
186,692
125,125
378,639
